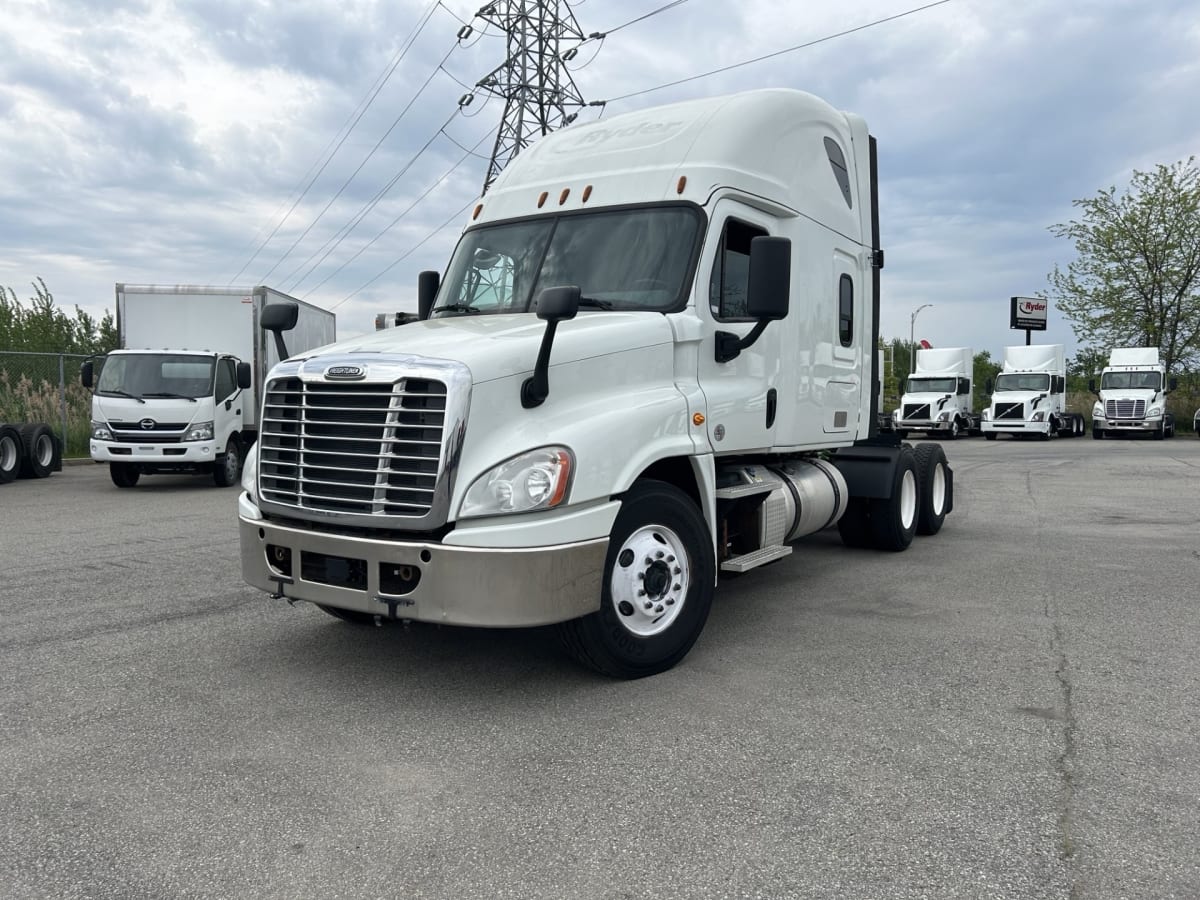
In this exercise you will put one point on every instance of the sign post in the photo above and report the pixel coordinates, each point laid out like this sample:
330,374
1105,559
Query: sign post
1028,313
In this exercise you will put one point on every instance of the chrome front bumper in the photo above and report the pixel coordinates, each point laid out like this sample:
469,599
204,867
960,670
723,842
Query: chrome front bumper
429,582
1127,424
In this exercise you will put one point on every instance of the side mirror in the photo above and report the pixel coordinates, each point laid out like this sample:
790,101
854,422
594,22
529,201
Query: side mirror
553,305
987,386
278,318
427,288
767,294
1172,384
1092,385
244,375
964,387
85,374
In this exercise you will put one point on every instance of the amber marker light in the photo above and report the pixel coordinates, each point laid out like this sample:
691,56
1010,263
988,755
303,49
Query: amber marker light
562,198
564,462
681,185
542,199
478,210
697,418
587,192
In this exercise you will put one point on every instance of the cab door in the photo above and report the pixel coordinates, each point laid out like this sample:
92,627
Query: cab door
741,394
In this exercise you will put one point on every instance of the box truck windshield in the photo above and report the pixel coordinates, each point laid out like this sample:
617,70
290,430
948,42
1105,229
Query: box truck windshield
630,259
1022,382
157,375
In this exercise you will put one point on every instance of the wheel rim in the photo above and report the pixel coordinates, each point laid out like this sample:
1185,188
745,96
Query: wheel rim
43,450
231,462
938,489
9,460
908,500
650,580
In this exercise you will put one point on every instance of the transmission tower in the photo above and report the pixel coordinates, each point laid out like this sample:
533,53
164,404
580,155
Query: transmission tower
533,81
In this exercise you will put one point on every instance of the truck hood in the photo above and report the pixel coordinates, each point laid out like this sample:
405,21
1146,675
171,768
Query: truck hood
1129,394
500,346
1025,397
928,397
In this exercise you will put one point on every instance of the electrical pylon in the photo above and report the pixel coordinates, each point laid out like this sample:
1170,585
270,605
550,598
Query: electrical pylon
533,81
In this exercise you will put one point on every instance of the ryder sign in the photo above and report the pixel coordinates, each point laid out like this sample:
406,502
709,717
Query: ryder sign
1028,313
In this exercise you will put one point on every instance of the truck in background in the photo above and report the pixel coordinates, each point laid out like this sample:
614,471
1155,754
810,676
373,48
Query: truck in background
1133,395
1029,396
182,392
639,371
938,396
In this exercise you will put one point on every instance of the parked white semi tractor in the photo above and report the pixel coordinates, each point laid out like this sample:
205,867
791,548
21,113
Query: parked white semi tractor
181,395
1133,395
939,394
651,360
1029,396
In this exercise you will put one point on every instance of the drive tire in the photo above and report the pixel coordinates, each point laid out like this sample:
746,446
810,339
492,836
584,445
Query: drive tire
227,471
894,518
40,450
623,638
11,453
124,475
933,487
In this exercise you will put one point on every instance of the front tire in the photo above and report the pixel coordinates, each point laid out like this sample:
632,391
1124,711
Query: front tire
657,589
228,469
124,475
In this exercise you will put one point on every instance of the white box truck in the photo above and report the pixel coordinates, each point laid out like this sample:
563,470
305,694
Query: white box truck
182,392
939,395
1029,396
1133,395
651,360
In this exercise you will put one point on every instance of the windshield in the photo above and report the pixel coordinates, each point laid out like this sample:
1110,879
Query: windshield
624,259
1149,381
931,386
156,375
1032,381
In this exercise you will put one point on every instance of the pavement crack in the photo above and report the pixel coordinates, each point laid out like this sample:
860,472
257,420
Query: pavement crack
1065,762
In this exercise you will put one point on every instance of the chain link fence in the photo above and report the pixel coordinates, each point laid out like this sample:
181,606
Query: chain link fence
45,387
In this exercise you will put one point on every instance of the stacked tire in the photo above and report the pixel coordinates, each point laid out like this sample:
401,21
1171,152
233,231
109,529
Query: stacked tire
28,451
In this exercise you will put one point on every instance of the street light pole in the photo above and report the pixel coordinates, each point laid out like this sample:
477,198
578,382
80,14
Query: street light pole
912,327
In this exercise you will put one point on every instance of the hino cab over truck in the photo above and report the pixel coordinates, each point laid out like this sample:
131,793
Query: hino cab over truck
1133,395
1029,396
181,395
939,394
651,361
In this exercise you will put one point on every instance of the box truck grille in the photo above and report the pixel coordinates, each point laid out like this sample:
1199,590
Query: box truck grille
916,411
1125,409
1010,411
370,449
147,431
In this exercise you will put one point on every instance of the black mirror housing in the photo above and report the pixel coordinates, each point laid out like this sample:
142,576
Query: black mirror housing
557,303
85,374
244,375
1172,384
964,387
279,317
987,387
427,287
768,292
554,304
1092,385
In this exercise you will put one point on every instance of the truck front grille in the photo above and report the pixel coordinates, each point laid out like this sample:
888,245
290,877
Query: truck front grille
916,411
1010,411
1125,409
152,433
368,449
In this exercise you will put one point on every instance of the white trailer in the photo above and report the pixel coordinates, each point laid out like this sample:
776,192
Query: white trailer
1132,398
182,392
1029,396
651,360
939,395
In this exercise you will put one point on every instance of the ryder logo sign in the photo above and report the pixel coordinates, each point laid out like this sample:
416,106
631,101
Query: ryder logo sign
1028,313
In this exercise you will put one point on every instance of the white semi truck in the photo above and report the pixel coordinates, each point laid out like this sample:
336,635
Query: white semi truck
1133,395
939,395
181,395
1029,396
651,360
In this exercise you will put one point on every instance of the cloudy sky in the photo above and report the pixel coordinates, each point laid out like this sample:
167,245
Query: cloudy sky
317,146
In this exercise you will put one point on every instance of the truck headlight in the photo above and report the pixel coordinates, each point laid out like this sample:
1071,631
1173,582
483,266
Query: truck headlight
1098,411
985,416
943,417
531,481
101,431
1039,416
250,473
895,415
199,431
1154,412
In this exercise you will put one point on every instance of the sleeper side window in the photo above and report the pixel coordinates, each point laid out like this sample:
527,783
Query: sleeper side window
728,287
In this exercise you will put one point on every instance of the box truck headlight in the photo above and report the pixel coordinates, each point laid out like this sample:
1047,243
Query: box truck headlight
532,481
101,431
199,431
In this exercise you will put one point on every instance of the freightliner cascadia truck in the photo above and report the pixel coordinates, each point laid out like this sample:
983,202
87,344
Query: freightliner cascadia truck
939,394
182,393
651,360
1133,395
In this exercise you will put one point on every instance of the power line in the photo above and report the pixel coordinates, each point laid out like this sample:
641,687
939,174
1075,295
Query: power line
405,47
828,37
654,12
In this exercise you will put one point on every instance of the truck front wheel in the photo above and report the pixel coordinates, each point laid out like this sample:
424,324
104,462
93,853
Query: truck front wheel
124,475
657,588
228,469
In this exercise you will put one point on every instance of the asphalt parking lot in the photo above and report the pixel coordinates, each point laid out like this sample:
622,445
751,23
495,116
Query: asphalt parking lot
1008,710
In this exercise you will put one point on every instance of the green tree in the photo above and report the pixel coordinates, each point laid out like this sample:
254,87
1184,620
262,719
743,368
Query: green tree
983,370
1135,281
42,327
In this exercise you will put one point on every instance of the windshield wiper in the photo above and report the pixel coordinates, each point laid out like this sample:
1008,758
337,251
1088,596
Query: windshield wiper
124,394
169,396
593,302
455,307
